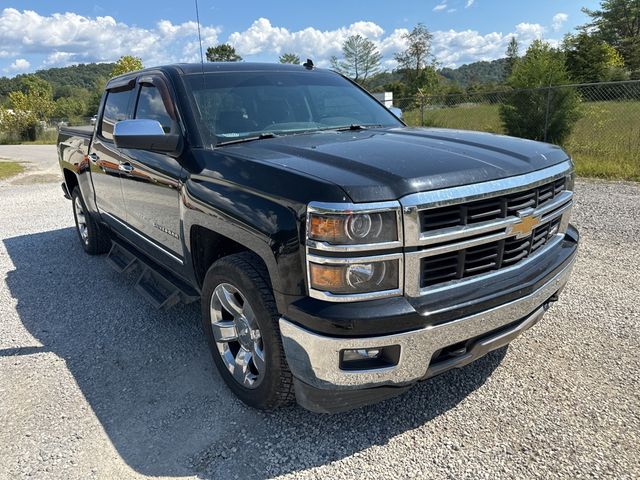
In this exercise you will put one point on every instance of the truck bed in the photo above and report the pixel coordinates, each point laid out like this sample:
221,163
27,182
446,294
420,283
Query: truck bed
73,146
79,131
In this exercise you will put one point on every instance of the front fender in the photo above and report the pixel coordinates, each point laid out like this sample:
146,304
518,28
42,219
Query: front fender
258,223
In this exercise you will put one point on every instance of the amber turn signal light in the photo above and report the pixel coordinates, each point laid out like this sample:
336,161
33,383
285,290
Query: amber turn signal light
327,277
327,228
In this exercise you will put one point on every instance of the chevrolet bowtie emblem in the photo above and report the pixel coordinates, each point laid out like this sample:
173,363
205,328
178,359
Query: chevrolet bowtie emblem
525,226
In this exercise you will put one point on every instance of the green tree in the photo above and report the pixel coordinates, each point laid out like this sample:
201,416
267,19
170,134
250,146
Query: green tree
69,108
398,88
290,58
361,59
93,103
28,108
532,106
591,59
617,22
513,53
223,53
416,62
126,63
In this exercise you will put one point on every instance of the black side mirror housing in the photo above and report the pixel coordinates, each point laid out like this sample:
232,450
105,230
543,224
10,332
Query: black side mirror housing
142,134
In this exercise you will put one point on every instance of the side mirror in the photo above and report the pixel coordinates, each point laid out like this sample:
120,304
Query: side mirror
396,111
142,134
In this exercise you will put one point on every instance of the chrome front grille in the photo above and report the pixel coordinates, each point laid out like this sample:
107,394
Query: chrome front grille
485,257
466,233
489,209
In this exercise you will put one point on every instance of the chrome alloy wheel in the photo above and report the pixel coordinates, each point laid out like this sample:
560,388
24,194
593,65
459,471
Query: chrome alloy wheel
81,220
237,335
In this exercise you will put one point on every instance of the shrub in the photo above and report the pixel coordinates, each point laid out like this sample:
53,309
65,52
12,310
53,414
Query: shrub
524,113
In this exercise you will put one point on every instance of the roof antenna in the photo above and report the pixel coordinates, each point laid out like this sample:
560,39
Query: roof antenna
199,38
308,64
202,60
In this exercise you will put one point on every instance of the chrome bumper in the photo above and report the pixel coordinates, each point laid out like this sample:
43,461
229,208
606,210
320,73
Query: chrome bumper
315,359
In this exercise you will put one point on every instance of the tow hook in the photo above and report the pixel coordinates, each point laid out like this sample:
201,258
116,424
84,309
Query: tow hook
553,298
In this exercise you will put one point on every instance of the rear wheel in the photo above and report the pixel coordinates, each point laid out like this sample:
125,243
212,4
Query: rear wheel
240,320
94,239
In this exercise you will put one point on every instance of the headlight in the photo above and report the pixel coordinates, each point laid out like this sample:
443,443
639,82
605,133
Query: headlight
337,233
363,228
375,276
355,228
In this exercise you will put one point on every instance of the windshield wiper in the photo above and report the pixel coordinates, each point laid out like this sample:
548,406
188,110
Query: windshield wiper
262,136
354,126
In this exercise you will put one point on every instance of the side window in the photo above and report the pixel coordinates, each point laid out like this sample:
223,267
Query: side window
116,109
150,106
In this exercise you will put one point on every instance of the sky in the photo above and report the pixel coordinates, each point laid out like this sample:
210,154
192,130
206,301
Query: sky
42,34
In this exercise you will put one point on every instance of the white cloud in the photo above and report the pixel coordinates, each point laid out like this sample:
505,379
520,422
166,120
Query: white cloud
469,3
558,21
71,38
533,31
261,37
59,59
20,65
451,48
440,7
67,38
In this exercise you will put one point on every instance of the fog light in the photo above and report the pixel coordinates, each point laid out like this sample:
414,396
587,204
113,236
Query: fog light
369,358
364,353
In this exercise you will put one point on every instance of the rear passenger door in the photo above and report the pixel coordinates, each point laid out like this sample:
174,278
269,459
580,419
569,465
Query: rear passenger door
151,184
105,159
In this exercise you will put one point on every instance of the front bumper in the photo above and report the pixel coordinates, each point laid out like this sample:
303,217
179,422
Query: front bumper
314,359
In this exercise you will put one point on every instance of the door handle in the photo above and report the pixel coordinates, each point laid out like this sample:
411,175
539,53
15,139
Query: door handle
125,167
93,157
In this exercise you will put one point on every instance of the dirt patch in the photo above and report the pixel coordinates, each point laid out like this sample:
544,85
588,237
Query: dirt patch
29,179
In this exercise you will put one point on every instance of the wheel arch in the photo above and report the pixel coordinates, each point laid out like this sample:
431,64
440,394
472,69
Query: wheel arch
208,246
225,221
71,180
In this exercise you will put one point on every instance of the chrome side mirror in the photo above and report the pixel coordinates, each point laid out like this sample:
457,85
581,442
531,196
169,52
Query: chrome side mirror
396,111
143,134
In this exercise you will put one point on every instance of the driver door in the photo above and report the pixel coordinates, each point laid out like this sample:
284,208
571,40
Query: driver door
151,184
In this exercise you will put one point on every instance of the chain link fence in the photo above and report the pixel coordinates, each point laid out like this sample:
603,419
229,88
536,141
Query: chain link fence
604,140
68,122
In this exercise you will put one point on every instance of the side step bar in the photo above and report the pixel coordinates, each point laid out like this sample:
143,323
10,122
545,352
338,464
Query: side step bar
121,258
154,283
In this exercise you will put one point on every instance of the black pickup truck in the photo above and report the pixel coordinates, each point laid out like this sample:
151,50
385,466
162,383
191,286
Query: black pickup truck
339,255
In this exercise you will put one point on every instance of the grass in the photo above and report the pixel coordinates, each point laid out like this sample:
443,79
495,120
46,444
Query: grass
9,169
46,137
605,142
465,117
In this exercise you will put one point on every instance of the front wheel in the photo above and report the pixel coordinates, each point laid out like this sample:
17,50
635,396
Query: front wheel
240,321
93,237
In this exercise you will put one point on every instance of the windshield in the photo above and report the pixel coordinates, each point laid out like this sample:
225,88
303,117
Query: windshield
232,106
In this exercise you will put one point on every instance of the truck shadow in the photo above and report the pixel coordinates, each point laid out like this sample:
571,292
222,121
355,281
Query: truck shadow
148,377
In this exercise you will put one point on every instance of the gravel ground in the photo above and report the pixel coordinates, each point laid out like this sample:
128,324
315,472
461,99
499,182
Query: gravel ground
97,384
40,160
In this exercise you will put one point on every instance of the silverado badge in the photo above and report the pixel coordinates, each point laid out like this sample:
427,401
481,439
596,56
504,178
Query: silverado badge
525,226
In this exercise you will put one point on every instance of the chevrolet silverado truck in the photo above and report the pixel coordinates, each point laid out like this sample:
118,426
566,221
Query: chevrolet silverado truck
339,256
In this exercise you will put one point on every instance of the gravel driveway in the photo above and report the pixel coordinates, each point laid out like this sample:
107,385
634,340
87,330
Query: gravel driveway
94,383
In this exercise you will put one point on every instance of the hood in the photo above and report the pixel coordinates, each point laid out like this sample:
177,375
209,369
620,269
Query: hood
386,164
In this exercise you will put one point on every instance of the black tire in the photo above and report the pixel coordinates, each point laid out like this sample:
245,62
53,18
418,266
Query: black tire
96,239
246,272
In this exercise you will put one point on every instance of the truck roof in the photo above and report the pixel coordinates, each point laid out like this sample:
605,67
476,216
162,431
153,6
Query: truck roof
188,68
211,67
